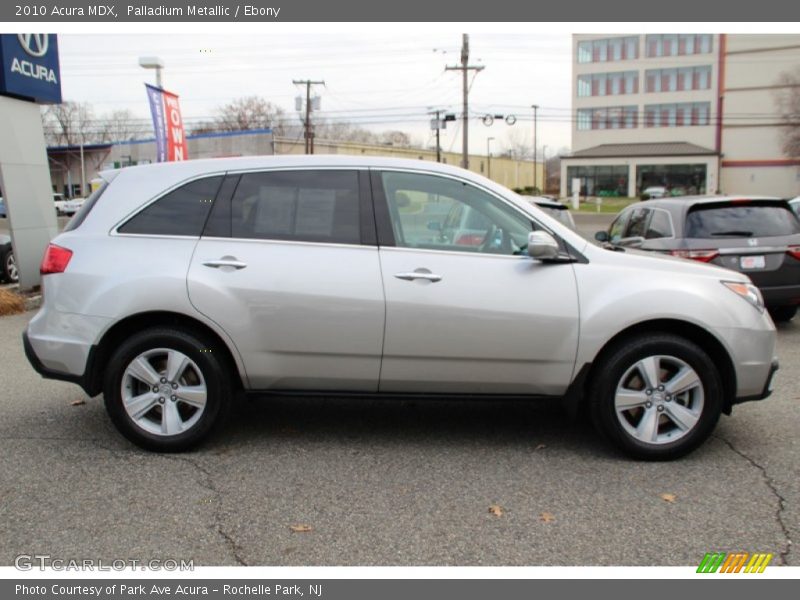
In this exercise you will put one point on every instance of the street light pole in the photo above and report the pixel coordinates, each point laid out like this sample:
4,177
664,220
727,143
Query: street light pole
544,166
153,62
535,108
489,157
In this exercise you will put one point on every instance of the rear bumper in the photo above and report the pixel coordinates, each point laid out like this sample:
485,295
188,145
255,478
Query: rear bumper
47,373
781,295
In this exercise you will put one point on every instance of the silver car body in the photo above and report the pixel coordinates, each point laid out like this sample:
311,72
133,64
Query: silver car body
316,316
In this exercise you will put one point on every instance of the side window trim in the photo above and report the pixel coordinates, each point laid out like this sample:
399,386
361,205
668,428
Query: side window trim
222,203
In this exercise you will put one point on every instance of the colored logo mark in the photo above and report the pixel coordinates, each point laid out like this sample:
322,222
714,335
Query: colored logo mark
734,562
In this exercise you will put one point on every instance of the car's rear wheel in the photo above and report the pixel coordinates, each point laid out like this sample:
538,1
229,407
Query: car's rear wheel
657,396
9,266
782,314
166,390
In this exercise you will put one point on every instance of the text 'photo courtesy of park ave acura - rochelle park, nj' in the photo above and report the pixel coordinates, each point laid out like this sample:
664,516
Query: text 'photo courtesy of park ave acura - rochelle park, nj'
365,295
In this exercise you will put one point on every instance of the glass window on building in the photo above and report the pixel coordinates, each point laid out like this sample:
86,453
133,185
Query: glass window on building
677,115
584,119
605,180
672,80
584,52
670,44
584,86
608,49
679,180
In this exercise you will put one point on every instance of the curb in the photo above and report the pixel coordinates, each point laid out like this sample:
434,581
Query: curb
33,302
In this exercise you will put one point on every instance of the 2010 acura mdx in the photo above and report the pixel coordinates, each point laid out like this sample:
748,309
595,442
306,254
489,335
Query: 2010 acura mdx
178,285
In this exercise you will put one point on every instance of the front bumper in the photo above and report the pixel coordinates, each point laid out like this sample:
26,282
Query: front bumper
765,393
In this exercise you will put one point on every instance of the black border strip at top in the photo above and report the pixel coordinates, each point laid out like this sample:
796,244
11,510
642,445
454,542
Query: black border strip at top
454,11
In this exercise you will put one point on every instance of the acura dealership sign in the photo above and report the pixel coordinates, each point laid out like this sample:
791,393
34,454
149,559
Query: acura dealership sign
30,67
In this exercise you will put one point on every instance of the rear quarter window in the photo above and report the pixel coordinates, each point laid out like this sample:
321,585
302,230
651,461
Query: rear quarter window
741,220
182,211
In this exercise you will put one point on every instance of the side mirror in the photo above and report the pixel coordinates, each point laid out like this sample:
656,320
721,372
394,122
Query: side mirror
434,226
601,236
542,245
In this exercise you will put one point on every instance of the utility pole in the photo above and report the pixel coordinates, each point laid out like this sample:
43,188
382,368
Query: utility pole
438,128
465,67
544,165
535,107
489,157
308,133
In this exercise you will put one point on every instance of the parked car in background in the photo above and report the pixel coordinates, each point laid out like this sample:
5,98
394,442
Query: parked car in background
8,265
554,208
759,237
320,274
795,204
654,192
467,226
66,207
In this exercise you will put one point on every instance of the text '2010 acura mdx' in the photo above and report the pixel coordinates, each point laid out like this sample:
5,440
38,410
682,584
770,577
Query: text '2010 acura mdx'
178,285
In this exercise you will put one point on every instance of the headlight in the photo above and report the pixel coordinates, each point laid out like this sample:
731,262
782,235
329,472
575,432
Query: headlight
747,291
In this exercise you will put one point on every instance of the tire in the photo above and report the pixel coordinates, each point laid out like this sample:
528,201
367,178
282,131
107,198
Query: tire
162,412
782,314
658,423
8,267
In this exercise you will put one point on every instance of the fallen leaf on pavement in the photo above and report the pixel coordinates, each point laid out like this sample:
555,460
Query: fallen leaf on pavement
301,528
496,510
78,403
541,447
668,498
547,517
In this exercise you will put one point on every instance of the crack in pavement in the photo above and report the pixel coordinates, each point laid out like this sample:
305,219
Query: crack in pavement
232,544
208,483
784,554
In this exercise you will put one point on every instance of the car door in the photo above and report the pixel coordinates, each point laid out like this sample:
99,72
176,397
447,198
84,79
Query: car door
288,267
468,318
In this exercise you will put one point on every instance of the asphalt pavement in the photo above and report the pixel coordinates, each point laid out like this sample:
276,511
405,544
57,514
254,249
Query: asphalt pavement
389,483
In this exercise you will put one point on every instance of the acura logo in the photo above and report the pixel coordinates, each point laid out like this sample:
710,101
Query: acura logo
34,44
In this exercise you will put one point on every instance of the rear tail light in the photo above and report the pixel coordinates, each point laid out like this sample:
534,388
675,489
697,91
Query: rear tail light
794,252
55,259
700,255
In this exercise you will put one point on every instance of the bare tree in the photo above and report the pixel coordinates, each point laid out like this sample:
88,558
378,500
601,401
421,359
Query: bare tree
121,126
787,99
69,123
516,146
250,112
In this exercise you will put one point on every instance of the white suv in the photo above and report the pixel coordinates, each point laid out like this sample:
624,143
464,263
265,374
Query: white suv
178,285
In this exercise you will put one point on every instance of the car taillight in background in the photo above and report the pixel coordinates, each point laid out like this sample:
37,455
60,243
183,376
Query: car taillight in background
55,260
701,255
794,252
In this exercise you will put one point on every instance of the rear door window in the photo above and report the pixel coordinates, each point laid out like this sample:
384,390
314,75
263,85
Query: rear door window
309,206
741,220
660,226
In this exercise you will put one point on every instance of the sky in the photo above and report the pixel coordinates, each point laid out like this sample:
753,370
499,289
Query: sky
383,80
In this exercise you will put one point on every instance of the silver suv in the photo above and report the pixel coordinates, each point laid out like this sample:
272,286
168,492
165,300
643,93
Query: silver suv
178,285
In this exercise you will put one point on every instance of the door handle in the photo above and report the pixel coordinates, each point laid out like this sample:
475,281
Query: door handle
225,262
412,275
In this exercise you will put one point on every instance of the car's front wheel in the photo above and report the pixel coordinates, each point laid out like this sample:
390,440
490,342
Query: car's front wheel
656,396
165,390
